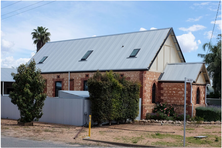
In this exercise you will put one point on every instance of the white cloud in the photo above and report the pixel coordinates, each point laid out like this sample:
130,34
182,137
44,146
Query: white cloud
6,46
152,28
94,36
142,29
9,62
209,34
2,34
212,9
202,4
187,42
193,28
194,19
218,22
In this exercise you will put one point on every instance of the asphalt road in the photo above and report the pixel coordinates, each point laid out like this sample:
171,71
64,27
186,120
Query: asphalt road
17,142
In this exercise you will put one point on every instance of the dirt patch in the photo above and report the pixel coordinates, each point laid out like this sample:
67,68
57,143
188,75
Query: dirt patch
150,135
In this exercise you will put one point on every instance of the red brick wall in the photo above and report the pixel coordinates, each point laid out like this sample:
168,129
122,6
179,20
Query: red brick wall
148,78
52,78
202,96
76,80
173,93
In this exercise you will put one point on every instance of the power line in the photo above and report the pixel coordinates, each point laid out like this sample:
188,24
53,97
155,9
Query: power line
10,4
215,22
21,8
28,10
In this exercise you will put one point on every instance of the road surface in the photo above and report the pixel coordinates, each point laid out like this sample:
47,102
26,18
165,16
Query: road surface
17,142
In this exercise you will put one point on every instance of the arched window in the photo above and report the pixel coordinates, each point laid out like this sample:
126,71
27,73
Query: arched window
154,93
198,96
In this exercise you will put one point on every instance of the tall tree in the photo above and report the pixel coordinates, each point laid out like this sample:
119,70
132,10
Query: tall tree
28,92
213,62
40,37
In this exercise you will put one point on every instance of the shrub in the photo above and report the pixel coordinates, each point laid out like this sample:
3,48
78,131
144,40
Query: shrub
169,118
199,119
28,92
181,117
156,116
209,113
113,97
165,109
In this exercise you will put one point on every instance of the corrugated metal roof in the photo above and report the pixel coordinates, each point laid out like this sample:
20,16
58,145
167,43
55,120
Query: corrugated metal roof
108,53
6,74
178,71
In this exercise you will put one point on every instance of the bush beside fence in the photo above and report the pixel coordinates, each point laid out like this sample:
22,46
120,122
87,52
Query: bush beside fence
209,113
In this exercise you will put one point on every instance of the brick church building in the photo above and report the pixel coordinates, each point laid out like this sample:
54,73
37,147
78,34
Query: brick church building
152,57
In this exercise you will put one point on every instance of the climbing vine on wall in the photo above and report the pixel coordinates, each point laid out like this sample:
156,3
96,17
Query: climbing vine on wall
113,97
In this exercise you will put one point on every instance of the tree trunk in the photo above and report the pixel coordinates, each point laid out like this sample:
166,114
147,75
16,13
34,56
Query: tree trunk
109,122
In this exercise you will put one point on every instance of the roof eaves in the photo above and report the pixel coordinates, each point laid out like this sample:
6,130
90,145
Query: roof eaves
101,70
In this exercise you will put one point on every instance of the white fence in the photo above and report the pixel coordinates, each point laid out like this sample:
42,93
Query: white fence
55,110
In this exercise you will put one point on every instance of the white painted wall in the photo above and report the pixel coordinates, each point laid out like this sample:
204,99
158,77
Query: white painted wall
167,54
201,79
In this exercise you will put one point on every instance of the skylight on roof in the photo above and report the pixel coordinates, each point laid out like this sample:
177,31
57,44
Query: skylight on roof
86,55
134,53
43,59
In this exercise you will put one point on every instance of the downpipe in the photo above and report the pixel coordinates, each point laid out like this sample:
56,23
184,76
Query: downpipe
191,97
206,94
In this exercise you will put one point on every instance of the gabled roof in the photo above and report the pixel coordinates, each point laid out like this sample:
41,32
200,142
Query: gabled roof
178,72
6,74
109,52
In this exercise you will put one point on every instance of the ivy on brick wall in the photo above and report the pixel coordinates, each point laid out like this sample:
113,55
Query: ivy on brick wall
113,97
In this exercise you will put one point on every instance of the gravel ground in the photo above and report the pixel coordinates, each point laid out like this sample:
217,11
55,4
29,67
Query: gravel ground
149,135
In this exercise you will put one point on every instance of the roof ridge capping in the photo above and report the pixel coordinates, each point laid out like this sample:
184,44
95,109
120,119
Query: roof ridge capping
110,35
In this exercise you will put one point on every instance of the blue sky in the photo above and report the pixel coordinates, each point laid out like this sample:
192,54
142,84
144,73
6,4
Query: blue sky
192,22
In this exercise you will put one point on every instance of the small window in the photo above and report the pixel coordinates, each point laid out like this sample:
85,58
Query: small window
86,55
85,87
134,53
58,86
43,59
198,96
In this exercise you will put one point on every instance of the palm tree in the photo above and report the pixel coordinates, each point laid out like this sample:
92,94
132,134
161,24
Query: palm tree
40,37
213,62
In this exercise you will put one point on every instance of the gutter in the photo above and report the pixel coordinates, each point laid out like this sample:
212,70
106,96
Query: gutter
69,80
206,94
191,97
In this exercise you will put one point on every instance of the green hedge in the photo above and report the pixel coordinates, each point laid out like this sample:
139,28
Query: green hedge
209,113
113,97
